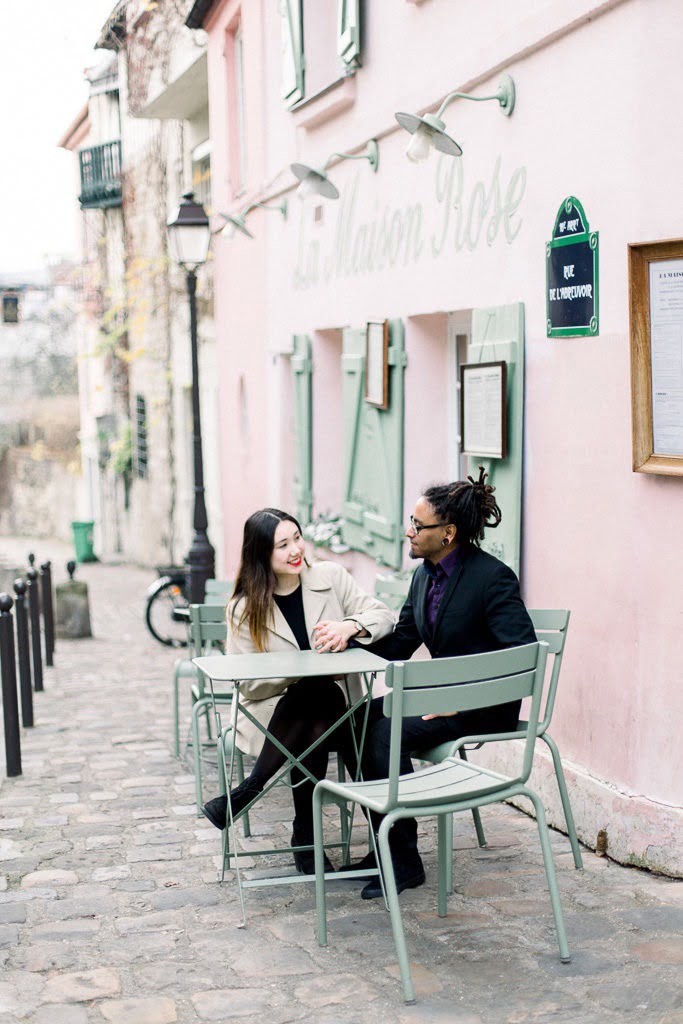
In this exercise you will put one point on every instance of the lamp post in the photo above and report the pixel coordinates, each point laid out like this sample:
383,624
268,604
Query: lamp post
189,236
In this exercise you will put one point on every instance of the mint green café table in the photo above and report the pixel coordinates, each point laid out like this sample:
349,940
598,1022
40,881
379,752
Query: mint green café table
237,669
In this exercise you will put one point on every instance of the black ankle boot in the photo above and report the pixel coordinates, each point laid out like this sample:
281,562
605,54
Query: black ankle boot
304,860
216,810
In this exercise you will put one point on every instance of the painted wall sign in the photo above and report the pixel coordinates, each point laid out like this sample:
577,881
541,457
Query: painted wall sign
572,274
369,238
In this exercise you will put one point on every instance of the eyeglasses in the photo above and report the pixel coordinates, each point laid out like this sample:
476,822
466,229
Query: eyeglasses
418,528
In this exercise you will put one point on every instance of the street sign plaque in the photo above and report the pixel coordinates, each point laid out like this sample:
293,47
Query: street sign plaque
572,274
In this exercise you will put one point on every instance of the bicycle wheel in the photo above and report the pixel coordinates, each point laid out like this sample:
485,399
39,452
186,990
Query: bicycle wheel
165,600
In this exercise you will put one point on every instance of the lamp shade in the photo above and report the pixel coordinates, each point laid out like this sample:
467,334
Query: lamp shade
235,222
427,131
314,182
189,233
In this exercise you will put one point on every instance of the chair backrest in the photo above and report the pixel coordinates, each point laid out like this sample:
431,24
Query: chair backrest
444,685
208,628
392,590
222,588
551,626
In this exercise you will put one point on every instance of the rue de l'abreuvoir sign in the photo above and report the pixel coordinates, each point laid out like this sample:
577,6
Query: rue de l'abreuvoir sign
572,274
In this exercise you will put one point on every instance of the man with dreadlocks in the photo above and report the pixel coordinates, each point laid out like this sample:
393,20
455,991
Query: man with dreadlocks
462,600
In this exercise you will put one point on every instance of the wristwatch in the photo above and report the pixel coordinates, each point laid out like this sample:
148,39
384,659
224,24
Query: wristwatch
359,626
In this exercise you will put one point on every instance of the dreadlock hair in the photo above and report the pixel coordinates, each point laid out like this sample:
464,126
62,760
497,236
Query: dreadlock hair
468,504
255,579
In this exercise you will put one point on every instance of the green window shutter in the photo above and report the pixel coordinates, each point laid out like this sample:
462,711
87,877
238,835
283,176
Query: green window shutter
292,51
302,371
373,453
348,32
498,333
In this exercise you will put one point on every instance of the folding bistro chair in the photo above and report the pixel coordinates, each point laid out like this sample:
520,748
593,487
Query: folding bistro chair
208,631
551,627
393,590
441,686
217,592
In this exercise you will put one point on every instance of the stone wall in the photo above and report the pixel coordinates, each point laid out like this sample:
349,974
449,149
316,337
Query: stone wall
38,494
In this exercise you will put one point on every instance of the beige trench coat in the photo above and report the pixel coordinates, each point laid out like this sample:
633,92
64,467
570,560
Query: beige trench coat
328,592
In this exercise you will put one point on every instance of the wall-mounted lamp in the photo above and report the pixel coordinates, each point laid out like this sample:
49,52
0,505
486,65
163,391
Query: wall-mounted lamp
238,221
429,130
314,182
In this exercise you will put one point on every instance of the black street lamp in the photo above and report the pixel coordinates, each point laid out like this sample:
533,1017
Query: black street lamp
189,235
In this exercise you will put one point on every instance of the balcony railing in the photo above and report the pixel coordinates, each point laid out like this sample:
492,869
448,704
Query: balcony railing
100,175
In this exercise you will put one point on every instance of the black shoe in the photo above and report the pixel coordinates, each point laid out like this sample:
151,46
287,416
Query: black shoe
216,810
304,860
408,876
367,863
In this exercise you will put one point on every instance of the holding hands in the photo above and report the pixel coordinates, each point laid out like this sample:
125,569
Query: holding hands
333,636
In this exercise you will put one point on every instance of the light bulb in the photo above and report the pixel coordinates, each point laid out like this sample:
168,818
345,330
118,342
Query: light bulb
420,144
306,188
229,230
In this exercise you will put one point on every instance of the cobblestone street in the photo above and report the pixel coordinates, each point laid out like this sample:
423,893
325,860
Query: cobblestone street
110,909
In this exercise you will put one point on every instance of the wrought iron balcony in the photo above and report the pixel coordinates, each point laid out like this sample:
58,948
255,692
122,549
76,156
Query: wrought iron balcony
100,176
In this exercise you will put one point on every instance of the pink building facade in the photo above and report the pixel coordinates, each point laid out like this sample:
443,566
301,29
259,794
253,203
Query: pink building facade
452,253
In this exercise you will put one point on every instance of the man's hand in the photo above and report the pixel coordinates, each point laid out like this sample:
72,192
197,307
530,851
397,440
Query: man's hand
333,636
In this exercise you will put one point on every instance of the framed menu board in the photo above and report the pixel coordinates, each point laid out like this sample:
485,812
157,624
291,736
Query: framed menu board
656,339
483,421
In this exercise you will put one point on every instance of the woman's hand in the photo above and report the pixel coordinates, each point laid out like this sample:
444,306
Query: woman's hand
333,636
444,714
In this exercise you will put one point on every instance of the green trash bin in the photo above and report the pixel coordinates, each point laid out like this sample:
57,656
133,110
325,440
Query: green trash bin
83,541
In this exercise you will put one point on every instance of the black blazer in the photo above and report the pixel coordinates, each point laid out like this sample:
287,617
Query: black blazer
481,610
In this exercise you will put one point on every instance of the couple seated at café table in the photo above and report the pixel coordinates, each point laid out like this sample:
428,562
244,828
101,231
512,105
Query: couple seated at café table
462,600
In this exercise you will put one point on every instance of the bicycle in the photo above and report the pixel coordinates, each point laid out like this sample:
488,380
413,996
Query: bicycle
165,612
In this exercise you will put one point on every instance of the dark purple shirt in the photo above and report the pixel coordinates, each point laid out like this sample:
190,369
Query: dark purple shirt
439,574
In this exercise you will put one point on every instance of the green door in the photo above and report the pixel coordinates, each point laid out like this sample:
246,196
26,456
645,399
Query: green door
374,453
302,370
498,333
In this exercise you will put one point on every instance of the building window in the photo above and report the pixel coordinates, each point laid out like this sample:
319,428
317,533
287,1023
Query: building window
201,174
237,110
320,45
140,437
10,309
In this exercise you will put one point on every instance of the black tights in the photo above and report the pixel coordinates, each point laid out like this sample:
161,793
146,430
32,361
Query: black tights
306,710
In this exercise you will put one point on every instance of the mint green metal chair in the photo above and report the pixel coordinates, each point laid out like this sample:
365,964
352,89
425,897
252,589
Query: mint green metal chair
441,686
393,590
551,626
208,631
217,592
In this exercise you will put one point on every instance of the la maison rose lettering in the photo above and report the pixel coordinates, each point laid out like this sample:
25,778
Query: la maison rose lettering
460,217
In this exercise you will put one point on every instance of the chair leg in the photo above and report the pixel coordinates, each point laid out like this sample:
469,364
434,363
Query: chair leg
199,707
550,875
478,827
318,853
445,860
176,708
395,910
566,806
344,817
448,826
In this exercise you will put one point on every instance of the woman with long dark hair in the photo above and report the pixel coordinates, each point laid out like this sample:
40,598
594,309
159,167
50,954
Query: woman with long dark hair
280,603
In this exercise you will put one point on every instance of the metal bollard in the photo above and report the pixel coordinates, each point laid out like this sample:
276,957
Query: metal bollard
31,560
23,653
48,613
34,615
10,705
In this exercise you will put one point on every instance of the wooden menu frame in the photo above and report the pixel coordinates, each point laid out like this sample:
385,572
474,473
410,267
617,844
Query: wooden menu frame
642,306
377,363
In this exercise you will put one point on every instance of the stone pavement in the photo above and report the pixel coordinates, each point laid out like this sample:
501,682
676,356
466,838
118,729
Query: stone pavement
110,910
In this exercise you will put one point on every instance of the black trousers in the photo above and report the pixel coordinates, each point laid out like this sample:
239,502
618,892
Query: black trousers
417,735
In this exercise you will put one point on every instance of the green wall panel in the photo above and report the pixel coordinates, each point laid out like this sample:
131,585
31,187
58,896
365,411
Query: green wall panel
302,370
498,333
374,453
